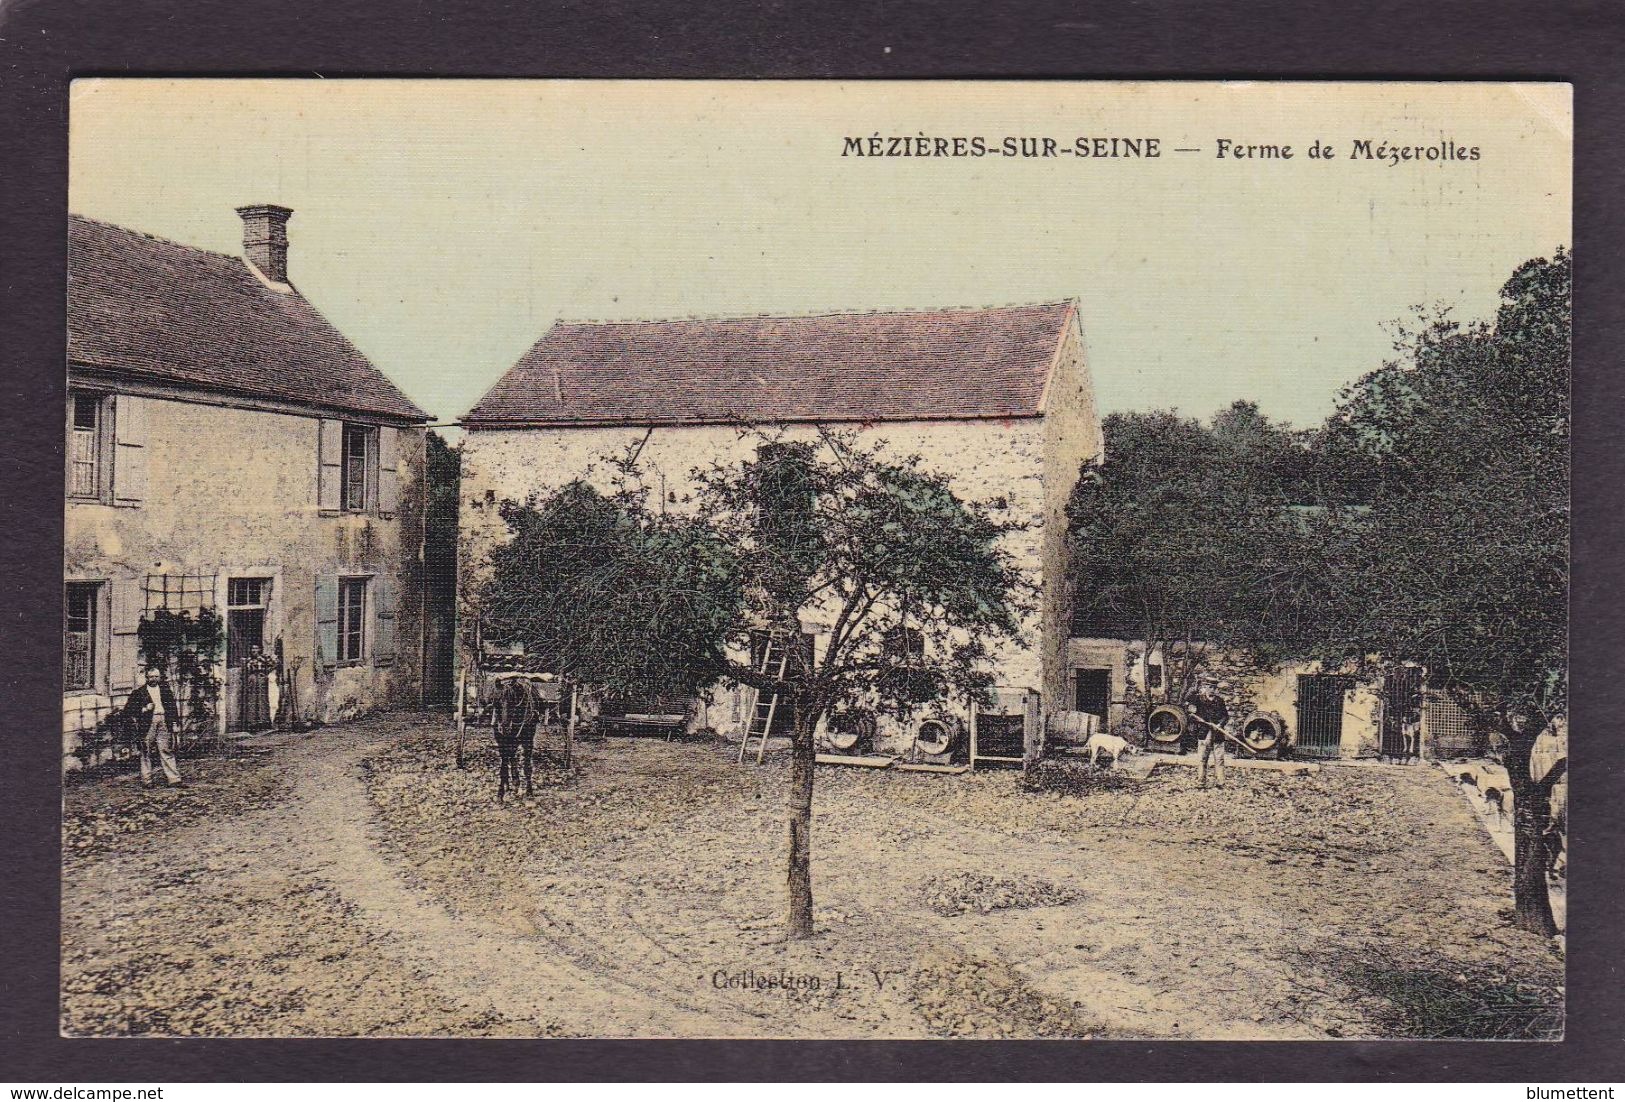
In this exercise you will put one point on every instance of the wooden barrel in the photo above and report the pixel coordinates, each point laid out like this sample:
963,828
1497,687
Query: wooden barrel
1165,725
1263,732
850,727
937,734
1071,728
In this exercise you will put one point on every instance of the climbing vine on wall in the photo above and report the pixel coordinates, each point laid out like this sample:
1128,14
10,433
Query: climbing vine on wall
186,647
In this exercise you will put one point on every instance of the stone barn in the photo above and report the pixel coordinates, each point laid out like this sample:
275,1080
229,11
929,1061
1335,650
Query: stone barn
1000,399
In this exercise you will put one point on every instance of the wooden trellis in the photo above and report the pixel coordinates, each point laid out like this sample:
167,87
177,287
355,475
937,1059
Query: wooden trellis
199,698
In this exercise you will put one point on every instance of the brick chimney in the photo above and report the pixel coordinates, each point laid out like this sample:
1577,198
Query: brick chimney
265,239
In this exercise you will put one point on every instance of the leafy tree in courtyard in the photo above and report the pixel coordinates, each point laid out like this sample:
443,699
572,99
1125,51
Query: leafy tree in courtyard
911,586
1427,521
908,587
1461,560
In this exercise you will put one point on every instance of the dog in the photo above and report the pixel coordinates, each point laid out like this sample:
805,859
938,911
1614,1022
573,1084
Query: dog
1114,745
1495,800
1551,841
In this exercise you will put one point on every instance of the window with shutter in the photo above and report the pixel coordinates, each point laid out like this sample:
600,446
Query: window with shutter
352,620
358,470
88,423
126,604
355,469
383,628
79,635
129,449
389,494
327,620
329,465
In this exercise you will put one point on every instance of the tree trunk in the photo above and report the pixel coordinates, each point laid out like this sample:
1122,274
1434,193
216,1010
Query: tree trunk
1531,812
800,921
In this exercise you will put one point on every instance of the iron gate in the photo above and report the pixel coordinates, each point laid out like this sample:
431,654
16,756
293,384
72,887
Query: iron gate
1401,704
1320,714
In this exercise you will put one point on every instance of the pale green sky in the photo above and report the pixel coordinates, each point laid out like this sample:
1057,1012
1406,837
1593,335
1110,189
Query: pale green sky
443,226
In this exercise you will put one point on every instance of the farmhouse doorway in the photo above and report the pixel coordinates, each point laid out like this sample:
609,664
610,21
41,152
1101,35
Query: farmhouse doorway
248,705
1092,693
1320,714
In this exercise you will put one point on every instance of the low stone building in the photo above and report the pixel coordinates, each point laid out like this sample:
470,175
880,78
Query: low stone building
1325,715
999,399
244,492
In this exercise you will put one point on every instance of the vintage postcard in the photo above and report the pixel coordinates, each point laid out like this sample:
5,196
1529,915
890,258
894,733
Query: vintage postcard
816,560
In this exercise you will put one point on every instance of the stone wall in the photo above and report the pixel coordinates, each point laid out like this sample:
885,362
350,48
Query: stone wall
1072,439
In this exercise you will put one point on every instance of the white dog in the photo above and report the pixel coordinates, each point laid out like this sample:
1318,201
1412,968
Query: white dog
1114,745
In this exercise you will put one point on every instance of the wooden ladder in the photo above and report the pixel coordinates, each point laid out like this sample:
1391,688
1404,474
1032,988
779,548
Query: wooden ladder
775,660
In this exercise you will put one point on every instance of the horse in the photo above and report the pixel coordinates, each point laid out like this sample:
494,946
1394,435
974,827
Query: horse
514,715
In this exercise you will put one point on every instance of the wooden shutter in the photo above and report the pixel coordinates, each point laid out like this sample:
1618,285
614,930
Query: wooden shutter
327,621
389,461
126,602
129,449
330,467
383,625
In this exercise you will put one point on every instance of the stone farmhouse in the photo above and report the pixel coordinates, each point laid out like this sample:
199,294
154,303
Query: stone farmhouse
1000,399
231,457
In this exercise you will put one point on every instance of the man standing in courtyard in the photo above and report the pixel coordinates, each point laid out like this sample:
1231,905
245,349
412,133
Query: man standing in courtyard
1208,711
151,707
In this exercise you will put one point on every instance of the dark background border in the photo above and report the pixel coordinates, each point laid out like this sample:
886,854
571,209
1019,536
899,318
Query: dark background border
45,43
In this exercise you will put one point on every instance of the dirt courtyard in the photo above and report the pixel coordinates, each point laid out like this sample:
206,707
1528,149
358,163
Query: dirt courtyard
353,881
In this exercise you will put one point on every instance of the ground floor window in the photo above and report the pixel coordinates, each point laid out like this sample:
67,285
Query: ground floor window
352,619
79,628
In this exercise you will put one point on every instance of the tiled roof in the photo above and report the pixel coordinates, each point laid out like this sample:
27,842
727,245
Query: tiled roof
174,314
927,365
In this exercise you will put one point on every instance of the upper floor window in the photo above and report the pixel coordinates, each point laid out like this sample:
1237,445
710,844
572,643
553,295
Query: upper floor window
360,461
107,447
358,468
87,450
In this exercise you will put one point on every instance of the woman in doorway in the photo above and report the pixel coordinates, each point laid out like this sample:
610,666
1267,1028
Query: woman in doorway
257,671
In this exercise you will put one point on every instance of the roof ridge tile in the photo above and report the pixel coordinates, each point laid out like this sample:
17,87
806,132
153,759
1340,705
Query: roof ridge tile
916,364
